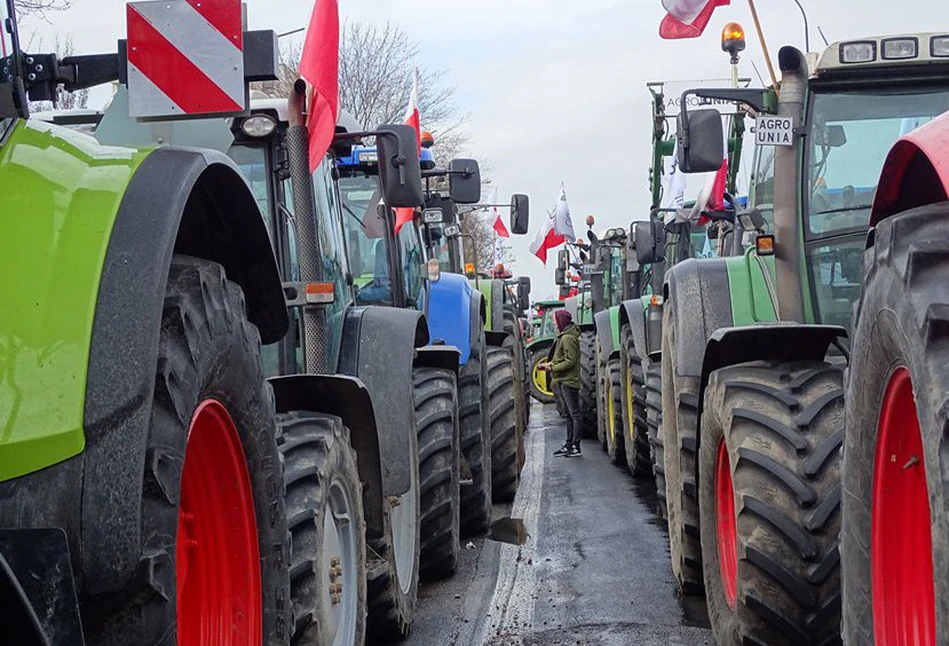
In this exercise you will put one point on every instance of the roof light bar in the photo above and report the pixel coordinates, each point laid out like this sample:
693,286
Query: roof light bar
897,49
939,47
864,51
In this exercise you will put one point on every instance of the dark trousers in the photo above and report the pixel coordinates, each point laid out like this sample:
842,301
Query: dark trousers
571,401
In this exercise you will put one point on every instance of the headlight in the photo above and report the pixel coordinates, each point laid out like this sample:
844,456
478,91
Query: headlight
259,125
858,52
434,270
896,49
940,47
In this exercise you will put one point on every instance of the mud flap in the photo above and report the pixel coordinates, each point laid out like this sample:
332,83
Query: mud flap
37,591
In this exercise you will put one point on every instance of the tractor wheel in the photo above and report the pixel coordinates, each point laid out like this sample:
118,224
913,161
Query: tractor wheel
613,396
633,391
652,375
602,394
393,564
506,446
540,386
213,520
588,392
522,398
769,474
439,466
323,497
678,433
473,416
895,541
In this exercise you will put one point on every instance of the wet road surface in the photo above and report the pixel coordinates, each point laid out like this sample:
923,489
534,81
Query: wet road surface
580,558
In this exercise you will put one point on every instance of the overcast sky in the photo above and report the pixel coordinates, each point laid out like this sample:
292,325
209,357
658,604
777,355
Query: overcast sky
556,88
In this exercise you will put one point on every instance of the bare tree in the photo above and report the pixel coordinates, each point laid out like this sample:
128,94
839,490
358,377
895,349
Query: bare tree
375,83
40,7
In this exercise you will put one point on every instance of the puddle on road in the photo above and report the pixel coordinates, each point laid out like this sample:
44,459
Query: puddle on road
508,530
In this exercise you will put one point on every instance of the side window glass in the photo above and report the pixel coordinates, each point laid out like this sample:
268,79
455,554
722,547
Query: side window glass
763,183
411,262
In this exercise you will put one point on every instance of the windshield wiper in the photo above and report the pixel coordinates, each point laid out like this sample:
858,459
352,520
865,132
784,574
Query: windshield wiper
844,209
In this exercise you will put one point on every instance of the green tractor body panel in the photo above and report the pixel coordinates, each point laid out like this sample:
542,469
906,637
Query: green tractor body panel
60,192
614,325
748,290
486,287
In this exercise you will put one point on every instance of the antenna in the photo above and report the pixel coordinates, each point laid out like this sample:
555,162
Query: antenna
760,79
821,32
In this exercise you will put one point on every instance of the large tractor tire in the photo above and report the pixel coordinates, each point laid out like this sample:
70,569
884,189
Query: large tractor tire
678,434
515,340
602,394
323,497
393,563
540,387
214,527
507,444
769,474
613,398
895,540
439,466
474,422
652,376
633,391
588,387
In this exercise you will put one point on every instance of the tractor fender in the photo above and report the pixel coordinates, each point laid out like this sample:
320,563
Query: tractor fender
349,399
698,290
778,341
633,312
378,348
444,357
178,201
604,334
916,172
449,313
538,345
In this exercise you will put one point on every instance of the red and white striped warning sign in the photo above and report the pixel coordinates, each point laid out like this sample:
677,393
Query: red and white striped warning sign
185,57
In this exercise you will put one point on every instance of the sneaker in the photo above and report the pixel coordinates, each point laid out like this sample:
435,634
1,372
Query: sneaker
576,450
563,450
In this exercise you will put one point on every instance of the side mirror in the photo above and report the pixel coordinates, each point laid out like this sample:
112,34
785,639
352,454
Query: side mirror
701,143
523,293
649,241
831,136
560,276
399,172
464,181
563,260
520,214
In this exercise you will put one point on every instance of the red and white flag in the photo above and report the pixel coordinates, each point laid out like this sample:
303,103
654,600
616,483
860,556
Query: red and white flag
319,67
414,120
687,18
499,228
557,229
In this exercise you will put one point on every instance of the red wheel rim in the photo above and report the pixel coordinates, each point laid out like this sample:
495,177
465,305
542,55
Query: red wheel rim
217,556
901,564
726,529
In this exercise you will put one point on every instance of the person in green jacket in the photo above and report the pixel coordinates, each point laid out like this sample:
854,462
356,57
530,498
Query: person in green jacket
565,367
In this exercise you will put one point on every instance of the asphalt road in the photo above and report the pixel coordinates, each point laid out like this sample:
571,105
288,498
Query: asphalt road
580,558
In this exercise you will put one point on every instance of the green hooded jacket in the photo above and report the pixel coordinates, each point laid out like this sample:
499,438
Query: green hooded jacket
566,361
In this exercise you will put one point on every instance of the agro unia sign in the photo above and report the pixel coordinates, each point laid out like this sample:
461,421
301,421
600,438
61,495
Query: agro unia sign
672,95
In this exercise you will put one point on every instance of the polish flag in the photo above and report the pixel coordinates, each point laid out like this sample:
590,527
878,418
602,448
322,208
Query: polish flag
413,120
557,229
319,67
499,228
687,18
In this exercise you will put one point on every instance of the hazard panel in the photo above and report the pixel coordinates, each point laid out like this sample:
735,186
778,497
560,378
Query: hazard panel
185,57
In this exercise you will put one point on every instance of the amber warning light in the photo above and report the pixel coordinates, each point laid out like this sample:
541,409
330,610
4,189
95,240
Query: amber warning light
733,39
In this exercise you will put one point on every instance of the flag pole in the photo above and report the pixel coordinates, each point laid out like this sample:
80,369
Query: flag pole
764,45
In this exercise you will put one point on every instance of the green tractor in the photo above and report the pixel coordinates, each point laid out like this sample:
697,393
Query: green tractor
668,237
539,345
754,351
153,480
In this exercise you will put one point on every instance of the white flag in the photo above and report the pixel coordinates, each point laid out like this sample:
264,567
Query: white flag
563,224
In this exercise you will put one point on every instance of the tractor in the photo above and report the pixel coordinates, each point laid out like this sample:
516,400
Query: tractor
164,472
668,237
492,325
538,348
755,349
